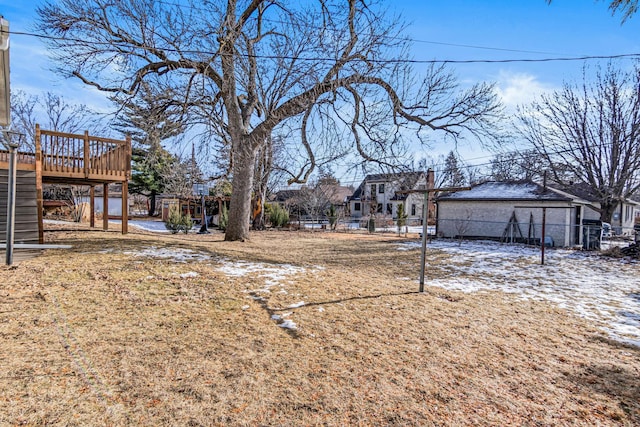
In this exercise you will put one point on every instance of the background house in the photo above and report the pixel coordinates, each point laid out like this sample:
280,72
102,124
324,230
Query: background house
623,218
512,211
380,195
312,203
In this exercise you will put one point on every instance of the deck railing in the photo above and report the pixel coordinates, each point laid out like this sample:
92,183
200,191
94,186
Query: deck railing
23,158
65,155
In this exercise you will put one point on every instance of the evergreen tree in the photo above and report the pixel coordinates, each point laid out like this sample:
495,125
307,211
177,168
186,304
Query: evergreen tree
150,119
452,173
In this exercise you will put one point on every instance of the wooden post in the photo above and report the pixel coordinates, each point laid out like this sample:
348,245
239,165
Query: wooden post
125,207
105,207
128,158
39,197
92,206
86,157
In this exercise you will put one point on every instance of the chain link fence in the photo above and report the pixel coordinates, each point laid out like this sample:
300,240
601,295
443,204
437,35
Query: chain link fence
590,235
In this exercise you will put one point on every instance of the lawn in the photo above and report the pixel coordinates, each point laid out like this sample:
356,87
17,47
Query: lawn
311,328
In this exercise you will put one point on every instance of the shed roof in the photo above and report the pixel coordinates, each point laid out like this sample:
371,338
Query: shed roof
511,191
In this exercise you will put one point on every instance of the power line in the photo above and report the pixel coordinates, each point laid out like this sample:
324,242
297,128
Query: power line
440,167
469,46
377,61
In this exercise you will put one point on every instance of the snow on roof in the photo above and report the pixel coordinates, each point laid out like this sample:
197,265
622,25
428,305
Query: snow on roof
525,190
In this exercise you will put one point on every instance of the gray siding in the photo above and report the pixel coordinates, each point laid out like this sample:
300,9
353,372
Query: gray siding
26,217
489,219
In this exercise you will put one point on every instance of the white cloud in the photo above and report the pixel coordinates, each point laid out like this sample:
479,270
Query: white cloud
520,88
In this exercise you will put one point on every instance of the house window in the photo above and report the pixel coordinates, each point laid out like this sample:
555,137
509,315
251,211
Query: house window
389,209
381,188
379,208
373,190
413,209
356,206
628,213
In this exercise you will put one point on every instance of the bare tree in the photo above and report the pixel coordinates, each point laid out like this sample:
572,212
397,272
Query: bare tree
52,112
590,133
435,165
316,199
179,176
516,166
333,67
628,8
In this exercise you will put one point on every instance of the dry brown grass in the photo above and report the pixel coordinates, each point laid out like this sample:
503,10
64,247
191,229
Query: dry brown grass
95,336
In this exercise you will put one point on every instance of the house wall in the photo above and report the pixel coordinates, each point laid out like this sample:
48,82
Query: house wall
26,209
490,218
623,218
385,198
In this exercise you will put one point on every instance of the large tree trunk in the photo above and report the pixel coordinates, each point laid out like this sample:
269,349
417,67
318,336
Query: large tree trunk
606,211
244,157
152,204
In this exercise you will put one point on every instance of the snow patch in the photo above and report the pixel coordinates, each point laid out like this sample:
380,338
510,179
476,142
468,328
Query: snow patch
174,254
189,274
298,304
594,287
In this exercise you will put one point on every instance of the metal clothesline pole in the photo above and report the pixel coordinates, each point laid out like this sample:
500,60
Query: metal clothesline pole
11,193
425,226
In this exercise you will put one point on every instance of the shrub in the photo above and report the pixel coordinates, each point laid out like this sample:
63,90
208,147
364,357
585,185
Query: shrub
186,223
278,216
178,222
333,217
174,222
224,217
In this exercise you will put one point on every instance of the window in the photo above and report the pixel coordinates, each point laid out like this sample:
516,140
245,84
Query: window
356,206
389,209
628,213
381,188
379,208
373,190
413,209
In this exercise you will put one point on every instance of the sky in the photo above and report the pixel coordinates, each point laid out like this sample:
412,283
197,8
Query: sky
454,30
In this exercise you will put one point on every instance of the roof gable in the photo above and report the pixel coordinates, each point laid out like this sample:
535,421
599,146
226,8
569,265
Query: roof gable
405,180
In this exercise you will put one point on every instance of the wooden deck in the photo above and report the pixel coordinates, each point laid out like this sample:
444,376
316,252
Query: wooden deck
72,158
77,159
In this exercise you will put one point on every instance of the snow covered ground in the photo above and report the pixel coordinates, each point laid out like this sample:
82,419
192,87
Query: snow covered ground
603,290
